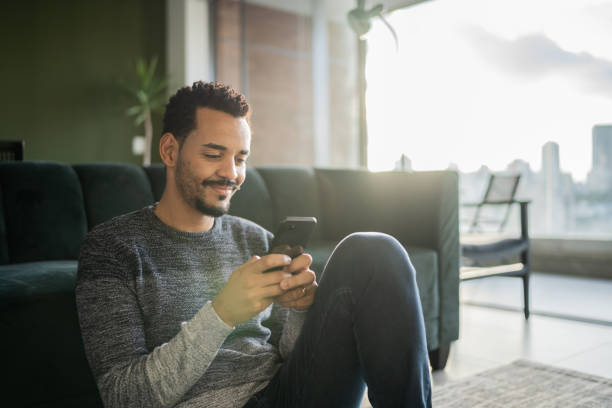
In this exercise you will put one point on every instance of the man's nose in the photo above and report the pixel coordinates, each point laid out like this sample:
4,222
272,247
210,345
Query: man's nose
228,169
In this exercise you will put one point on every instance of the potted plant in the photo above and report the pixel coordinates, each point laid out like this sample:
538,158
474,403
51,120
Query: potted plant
151,96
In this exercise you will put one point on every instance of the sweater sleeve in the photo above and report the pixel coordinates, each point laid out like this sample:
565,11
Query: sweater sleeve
112,327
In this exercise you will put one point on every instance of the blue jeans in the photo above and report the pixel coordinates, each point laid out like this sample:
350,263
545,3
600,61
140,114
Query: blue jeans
364,327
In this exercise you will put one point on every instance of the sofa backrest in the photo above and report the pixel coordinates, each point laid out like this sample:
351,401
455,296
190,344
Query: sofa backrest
46,208
253,201
401,204
112,189
157,178
294,192
44,218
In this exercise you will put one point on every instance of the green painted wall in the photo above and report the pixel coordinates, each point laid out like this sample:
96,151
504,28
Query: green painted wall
62,62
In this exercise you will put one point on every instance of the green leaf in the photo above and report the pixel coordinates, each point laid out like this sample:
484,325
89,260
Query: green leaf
134,110
158,85
140,118
142,96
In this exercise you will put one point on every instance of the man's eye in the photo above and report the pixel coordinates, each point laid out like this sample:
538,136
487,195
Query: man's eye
241,161
212,156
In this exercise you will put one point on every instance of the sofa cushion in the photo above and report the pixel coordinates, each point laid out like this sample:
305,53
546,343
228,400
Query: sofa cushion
40,329
4,256
425,262
43,207
112,189
398,203
253,201
294,192
22,282
157,177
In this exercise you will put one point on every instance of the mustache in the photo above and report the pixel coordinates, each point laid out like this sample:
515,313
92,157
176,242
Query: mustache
222,183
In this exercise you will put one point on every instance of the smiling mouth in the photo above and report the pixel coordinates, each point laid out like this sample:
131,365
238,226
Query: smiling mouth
222,191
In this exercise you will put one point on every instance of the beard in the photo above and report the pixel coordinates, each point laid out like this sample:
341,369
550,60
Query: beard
194,192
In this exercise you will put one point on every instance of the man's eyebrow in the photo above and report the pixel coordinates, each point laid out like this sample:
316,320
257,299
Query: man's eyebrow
222,148
215,146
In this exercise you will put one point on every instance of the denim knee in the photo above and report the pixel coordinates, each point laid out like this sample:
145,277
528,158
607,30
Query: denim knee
378,248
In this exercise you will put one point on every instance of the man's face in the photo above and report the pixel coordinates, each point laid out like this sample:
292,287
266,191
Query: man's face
211,163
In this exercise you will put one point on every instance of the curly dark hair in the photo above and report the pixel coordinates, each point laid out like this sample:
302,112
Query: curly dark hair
180,115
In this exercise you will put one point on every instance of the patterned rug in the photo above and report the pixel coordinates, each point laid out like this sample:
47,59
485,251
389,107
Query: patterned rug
525,384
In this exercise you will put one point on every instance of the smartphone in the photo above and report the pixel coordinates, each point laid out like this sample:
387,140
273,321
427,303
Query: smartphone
292,236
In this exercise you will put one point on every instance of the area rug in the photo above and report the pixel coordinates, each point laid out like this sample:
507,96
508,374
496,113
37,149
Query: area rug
525,384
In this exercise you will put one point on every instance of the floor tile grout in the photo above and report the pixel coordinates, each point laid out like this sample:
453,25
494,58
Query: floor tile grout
583,352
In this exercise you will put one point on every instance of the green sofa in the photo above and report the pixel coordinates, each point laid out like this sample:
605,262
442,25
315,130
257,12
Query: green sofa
46,208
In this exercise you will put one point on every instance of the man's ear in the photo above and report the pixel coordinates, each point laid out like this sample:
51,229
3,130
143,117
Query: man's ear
169,149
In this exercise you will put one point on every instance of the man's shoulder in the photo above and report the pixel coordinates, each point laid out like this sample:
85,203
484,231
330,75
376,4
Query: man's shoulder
119,229
123,224
111,245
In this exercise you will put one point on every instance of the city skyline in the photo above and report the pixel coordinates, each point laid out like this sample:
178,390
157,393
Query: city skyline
405,162
559,204
551,150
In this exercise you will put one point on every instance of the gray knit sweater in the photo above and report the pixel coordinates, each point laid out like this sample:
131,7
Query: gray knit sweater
151,335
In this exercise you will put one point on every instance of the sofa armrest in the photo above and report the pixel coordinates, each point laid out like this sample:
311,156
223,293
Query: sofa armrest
449,258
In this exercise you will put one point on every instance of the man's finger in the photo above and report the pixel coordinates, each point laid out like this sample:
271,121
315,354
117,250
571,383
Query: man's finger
273,278
303,278
252,259
270,261
300,262
272,291
302,303
290,296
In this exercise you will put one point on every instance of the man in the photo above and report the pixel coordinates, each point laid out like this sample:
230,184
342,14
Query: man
176,310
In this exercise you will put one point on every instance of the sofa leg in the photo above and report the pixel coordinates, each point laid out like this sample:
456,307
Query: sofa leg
439,357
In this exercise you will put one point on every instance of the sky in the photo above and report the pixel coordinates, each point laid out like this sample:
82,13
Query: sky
484,82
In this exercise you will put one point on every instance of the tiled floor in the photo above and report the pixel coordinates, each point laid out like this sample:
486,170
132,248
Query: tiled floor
570,326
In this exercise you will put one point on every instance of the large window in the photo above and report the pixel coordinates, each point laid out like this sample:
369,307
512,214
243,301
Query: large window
501,85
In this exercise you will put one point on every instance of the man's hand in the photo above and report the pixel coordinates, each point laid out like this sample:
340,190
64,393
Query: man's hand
300,286
249,291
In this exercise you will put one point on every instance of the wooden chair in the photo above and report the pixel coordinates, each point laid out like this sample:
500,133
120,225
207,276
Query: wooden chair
499,257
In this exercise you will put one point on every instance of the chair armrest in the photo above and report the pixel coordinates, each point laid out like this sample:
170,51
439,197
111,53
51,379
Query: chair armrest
495,203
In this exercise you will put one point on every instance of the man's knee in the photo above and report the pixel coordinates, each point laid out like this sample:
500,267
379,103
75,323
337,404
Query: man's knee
369,243
376,248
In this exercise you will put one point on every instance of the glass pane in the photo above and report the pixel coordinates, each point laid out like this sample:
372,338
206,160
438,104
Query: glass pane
484,86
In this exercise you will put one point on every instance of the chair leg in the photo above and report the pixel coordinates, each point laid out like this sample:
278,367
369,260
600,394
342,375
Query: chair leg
526,295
